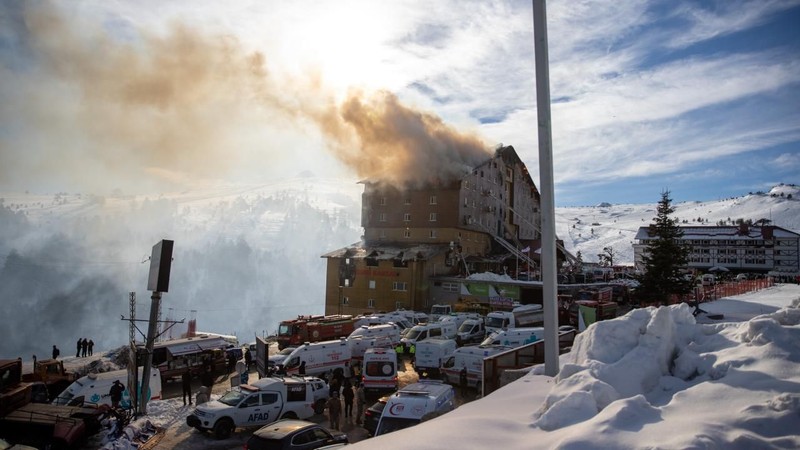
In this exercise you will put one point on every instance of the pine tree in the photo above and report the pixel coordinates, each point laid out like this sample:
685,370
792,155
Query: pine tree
666,257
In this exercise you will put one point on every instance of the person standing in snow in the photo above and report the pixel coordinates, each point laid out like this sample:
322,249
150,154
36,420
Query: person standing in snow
56,352
84,346
116,393
80,342
90,345
186,384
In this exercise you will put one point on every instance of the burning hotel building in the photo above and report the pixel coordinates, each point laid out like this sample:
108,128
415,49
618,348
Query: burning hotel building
419,238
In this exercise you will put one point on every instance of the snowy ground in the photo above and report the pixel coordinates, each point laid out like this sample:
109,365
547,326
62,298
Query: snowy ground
655,378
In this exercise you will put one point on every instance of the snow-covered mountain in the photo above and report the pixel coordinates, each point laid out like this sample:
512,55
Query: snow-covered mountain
246,256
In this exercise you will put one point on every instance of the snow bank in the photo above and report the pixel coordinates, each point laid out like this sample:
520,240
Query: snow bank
649,355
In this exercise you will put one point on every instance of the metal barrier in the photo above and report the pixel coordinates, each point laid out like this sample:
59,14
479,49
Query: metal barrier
525,356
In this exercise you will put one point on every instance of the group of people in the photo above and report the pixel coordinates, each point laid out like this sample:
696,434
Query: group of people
341,389
206,382
85,347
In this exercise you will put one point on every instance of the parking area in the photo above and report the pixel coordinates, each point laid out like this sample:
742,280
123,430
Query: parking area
181,436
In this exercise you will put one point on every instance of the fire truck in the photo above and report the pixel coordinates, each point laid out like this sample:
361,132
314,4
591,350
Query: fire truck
314,329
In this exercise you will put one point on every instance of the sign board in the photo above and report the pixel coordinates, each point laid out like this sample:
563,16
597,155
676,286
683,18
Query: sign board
160,264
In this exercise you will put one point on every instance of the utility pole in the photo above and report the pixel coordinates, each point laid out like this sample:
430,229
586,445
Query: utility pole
158,282
548,257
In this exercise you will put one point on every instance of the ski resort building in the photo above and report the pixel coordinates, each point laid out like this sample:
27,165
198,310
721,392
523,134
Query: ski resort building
768,250
413,237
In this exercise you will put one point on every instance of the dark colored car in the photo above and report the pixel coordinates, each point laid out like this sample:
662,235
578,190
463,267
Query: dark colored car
293,434
373,414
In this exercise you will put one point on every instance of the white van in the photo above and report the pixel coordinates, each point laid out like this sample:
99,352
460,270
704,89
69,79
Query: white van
472,358
380,370
260,403
514,337
360,344
93,389
471,331
427,330
431,353
321,358
459,317
414,317
380,319
438,311
520,316
415,403
387,330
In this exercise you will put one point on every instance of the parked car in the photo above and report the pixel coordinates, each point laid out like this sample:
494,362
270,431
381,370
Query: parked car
294,435
373,414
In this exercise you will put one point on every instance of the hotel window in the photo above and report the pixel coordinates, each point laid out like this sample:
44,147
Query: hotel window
345,301
382,217
370,303
433,200
382,201
407,217
399,305
407,201
407,234
432,217
372,284
433,234
399,286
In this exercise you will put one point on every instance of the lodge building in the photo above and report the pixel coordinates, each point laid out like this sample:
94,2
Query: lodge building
415,237
768,250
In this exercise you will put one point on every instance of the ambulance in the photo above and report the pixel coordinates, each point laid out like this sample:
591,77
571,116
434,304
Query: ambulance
428,330
472,358
93,389
514,337
430,354
414,403
321,358
380,370
386,330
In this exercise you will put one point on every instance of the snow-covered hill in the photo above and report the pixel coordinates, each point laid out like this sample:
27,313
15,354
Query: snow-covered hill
590,229
246,256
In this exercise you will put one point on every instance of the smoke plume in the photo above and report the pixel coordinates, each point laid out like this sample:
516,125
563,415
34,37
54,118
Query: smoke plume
184,105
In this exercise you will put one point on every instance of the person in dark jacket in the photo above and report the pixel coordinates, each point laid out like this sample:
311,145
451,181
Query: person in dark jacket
80,342
248,358
348,395
90,345
116,393
56,352
207,378
186,384
84,346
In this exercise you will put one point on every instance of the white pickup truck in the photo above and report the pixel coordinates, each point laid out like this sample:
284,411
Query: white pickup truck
262,402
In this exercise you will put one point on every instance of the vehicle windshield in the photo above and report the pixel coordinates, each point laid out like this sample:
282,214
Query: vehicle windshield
466,327
494,322
413,333
284,330
232,398
287,351
390,424
440,310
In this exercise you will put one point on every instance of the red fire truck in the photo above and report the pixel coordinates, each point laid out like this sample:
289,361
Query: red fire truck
314,329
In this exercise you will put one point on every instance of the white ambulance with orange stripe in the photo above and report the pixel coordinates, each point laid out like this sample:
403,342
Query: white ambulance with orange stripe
320,358
379,370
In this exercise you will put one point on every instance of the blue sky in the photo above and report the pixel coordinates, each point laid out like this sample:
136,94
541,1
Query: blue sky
698,97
